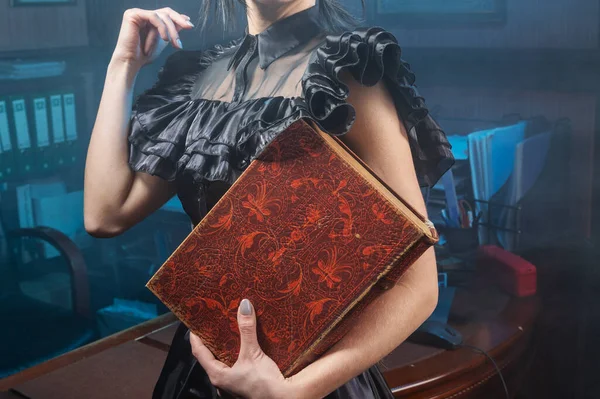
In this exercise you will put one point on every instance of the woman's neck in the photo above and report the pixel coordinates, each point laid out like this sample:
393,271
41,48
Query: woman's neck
261,16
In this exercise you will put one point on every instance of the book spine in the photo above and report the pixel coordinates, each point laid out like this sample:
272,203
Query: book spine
386,282
335,335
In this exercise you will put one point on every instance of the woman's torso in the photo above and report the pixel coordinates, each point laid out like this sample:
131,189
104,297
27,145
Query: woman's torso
245,89
212,112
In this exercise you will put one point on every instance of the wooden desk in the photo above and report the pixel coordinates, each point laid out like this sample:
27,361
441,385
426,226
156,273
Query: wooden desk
126,365
488,319
9,395
123,365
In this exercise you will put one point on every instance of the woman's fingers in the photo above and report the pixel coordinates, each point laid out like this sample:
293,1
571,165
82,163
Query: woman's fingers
168,23
171,28
249,347
151,41
214,368
153,19
180,19
140,31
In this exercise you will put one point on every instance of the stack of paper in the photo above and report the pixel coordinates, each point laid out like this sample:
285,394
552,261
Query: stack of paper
49,204
64,213
491,156
530,159
30,70
27,193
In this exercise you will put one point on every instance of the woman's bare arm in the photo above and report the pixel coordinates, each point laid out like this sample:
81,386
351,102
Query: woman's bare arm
379,138
115,197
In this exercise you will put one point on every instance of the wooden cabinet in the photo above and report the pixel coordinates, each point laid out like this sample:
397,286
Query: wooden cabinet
42,27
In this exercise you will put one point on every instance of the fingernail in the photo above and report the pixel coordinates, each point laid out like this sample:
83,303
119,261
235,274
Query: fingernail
179,43
190,23
246,308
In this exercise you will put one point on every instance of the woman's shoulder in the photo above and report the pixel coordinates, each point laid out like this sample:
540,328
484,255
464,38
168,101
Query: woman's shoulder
366,52
372,55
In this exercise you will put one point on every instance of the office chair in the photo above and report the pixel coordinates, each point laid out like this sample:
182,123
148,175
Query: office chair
34,331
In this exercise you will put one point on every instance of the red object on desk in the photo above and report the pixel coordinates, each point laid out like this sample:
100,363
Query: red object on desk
510,272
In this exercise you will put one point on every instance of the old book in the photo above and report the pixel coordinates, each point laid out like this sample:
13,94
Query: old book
309,235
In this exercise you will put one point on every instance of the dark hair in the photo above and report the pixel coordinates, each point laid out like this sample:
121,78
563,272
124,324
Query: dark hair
334,17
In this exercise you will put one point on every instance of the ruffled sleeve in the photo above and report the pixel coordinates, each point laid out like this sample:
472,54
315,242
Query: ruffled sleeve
161,116
372,55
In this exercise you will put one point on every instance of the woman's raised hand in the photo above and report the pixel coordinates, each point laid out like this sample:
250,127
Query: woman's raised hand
146,33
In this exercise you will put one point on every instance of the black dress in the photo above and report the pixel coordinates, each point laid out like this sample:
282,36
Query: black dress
212,112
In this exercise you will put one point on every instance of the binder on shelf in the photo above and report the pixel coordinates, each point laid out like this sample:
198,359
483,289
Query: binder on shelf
23,196
6,147
58,130
26,197
70,127
24,150
42,134
2,165
49,211
25,211
39,131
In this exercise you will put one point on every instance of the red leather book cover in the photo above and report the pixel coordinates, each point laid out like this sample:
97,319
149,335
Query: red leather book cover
308,234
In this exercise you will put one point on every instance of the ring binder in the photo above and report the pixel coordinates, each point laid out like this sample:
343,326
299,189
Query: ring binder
6,153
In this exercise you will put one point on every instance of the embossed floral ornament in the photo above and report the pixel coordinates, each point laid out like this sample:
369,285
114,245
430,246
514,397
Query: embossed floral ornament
331,270
314,214
224,220
315,308
294,286
380,214
260,205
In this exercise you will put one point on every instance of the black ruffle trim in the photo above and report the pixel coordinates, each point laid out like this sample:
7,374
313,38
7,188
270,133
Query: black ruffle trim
173,135
372,55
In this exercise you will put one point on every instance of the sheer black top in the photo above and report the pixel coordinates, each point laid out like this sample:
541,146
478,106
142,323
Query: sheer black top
212,112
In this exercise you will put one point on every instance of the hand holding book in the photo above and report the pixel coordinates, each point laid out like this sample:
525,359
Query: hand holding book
254,374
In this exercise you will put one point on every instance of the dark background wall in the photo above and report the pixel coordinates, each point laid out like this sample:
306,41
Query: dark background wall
529,24
541,58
